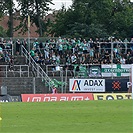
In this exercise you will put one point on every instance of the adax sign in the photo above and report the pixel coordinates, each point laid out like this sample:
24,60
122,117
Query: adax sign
87,85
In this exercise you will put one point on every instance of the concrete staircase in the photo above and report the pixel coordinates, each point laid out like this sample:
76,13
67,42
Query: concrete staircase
17,85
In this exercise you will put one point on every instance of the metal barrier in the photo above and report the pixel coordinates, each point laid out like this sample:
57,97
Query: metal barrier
18,70
36,69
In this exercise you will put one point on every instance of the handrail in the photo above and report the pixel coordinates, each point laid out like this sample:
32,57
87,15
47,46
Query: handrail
35,67
5,69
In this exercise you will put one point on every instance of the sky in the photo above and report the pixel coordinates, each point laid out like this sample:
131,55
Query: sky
59,3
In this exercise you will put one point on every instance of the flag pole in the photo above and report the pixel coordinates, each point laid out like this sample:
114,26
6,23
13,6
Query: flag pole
29,31
29,36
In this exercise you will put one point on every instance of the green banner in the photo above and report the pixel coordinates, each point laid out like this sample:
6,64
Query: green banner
117,69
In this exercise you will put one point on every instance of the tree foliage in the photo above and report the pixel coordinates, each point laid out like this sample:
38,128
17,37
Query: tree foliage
2,32
95,18
37,10
86,18
7,7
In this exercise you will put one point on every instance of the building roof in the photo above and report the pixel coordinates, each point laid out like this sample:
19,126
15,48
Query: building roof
33,28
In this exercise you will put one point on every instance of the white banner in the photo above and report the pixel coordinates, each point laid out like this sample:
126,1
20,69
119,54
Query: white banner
87,85
115,71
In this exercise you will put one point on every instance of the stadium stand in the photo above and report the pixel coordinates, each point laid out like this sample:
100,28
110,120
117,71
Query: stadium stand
60,58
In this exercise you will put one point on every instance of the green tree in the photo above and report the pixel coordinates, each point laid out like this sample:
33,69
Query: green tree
95,18
2,32
37,10
7,7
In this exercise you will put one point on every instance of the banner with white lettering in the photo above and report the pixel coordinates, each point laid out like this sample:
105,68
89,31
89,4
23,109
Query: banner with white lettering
56,97
87,85
116,70
5,98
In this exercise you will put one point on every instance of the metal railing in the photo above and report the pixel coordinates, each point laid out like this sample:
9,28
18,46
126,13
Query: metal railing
18,70
36,69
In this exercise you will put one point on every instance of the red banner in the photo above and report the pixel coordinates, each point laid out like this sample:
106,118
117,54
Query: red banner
56,97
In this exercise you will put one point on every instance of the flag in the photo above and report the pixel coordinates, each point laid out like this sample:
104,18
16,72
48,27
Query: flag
116,70
28,21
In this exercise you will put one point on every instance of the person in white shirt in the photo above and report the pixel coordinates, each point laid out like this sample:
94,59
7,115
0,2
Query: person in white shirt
123,60
73,59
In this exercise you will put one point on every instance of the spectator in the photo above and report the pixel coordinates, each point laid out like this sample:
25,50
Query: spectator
9,44
107,55
37,59
82,59
46,51
60,49
58,61
73,59
96,48
68,59
85,47
11,63
36,45
1,56
32,52
91,54
25,44
41,59
128,58
125,45
6,56
54,91
123,60
18,45
1,49
54,58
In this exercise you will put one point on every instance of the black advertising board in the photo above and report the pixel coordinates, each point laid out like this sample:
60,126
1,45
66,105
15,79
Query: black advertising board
16,98
116,85
8,98
5,98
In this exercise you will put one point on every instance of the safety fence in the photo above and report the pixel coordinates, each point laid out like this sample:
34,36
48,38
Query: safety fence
14,71
90,70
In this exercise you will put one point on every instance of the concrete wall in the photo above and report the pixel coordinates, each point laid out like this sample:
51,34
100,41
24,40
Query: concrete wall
17,86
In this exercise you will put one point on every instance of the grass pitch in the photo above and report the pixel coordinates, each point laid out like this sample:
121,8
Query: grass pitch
72,117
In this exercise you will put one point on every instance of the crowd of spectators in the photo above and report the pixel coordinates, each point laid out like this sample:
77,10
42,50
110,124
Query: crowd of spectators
68,51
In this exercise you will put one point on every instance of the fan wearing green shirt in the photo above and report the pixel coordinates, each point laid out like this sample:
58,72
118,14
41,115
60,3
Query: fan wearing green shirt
32,52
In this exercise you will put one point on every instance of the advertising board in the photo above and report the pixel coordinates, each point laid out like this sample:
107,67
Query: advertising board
87,85
5,98
56,97
112,96
116,85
